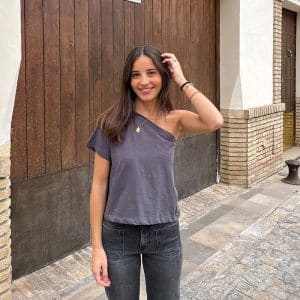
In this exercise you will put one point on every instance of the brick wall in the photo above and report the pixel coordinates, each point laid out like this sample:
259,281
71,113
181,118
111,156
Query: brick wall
251,144
277,20
5,242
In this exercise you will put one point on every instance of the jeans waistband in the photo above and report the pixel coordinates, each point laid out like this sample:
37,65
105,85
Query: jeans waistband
152,226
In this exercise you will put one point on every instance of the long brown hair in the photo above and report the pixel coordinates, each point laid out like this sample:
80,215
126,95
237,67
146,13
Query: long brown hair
116,118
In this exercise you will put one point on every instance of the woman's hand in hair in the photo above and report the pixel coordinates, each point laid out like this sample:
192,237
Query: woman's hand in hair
174,67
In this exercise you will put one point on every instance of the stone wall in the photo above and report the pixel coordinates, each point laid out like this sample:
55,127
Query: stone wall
251,144
5,242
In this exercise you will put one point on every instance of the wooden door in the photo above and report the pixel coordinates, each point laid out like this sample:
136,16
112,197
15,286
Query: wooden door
288,87
73,54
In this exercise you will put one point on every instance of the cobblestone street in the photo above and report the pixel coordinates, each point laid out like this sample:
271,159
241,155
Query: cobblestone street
260,263
238,244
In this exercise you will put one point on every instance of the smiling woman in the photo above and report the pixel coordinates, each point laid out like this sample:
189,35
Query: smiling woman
133,201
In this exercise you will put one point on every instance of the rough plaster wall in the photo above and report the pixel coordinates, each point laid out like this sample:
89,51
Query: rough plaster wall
10,58
246,53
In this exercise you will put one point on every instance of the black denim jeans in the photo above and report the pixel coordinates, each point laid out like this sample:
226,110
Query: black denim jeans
159,248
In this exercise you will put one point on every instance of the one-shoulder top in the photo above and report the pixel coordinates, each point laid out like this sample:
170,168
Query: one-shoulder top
141,182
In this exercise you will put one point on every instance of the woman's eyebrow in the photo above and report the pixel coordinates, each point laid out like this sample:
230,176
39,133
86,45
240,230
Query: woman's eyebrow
150,69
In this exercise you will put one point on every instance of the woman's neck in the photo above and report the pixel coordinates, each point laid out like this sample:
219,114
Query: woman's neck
147,109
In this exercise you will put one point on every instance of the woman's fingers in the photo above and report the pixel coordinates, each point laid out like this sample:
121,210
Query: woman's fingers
100,269
101,277
96,273
174,67
104,275
169,58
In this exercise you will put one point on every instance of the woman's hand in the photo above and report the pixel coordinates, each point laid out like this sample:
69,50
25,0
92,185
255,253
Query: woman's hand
99,267
174,67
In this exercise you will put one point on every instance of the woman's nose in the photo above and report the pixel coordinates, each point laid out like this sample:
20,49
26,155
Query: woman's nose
144,79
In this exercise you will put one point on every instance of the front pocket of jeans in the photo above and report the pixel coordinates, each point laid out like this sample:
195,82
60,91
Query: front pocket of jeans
113,239
168,239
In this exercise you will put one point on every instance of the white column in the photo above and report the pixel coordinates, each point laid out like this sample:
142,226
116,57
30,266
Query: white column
10,58
246,53
298,56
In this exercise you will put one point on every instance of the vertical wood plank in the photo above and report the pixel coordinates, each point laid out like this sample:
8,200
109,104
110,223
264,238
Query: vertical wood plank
119,41
212,51
34,87
165,26
82,80
18,131
107,54
68,135
129,27
95,51
180,48
195,40
202,50
217,58
139,24
148,22
52,85
205,57
156,23
186,55
174,45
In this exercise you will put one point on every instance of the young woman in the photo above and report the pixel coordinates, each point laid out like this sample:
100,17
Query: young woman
133,201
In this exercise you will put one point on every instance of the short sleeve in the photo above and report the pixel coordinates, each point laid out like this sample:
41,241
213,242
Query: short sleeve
99,143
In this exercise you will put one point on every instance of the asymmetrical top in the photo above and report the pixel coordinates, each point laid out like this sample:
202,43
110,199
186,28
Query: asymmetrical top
141,182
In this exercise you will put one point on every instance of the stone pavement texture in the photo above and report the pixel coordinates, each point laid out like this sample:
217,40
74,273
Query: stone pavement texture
237,244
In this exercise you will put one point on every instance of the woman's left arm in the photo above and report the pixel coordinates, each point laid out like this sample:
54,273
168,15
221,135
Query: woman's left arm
207,118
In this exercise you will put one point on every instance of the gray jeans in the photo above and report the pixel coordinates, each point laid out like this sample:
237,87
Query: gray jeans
159,248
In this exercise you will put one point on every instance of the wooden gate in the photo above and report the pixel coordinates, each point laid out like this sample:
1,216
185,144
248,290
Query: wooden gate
73,53
288,87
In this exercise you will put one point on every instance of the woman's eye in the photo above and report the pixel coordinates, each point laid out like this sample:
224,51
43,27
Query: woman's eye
152,73
134,75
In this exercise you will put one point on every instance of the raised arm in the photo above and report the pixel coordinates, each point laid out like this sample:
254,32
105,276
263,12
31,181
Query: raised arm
207,118
97,205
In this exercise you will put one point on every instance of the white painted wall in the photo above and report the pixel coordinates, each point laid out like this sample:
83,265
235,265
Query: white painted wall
10,58
230,85
298,56
246,53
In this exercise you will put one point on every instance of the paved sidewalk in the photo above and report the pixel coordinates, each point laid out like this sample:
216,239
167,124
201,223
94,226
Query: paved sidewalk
237,244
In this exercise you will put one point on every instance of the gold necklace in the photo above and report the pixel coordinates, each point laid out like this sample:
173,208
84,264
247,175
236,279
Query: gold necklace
138,129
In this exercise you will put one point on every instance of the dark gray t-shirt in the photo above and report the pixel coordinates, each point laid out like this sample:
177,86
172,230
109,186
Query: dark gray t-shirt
141,182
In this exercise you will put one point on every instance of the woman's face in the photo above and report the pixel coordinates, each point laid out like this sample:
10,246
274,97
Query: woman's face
145,79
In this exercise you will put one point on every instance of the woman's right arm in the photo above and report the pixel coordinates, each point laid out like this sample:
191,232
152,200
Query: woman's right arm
97,205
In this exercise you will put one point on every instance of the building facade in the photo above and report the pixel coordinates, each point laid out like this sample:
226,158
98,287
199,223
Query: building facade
247,40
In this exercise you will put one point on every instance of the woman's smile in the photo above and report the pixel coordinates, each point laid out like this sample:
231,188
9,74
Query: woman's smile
146,90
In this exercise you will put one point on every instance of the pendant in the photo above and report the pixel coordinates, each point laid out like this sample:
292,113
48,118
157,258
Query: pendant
138,129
